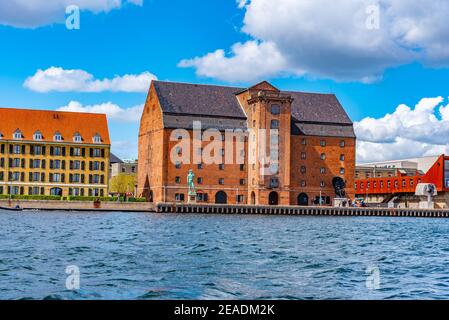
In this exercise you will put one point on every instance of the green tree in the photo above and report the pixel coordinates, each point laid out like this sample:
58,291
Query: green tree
123,183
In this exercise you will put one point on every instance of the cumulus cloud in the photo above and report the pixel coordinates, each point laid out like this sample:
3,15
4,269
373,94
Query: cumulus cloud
407,132
36,13
335,39
248,62
113,111
59,79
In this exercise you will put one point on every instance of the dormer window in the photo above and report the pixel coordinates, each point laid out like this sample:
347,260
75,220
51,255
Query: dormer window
97,138
57,137
1,135
17,134
77,138
37,135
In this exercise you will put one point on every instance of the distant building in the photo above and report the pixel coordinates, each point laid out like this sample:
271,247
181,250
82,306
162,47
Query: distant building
53,153
312,137
396,181
124,167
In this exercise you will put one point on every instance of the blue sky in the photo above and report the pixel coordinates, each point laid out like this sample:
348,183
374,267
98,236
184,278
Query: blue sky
371,73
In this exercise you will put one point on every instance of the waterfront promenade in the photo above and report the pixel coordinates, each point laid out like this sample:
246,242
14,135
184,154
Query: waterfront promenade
51,205
181,208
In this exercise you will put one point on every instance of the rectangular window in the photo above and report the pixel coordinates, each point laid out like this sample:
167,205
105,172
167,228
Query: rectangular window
242,182
95,153
179,196
221,181
178,179
221,166
77,152
203,197
57,151
323,143
96,165
199,180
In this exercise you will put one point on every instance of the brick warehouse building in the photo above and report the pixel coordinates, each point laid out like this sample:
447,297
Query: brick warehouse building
53,153
315,143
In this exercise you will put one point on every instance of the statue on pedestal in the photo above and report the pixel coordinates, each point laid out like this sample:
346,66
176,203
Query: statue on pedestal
191,185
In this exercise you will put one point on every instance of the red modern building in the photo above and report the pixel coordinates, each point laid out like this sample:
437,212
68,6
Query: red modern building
396,180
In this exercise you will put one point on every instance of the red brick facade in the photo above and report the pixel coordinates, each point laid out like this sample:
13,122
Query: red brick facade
306,164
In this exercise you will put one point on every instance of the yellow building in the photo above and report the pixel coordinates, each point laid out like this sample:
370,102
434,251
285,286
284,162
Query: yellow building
53,153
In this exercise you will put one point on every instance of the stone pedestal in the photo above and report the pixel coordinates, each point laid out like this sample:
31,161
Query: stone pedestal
191,198
426,205
341,202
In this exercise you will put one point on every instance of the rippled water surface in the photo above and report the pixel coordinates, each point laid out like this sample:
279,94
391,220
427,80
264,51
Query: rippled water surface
153,256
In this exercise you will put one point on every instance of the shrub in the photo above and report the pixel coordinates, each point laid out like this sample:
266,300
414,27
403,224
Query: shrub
34,197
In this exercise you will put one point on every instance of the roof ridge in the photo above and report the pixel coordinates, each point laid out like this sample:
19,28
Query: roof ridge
198,84
52,111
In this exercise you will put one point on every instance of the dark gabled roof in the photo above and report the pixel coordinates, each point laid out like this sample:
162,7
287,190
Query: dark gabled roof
219,101
322,129
317,107
194,99
114,159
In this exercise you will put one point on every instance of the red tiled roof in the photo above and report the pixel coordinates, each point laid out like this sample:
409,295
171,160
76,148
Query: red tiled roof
50,122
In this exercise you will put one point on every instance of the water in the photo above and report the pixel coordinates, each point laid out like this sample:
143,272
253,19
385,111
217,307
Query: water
153,256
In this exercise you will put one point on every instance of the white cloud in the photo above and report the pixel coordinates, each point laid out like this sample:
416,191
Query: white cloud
248,62
330,39
36,13
125,149
407,132
113,111
59,79
242,3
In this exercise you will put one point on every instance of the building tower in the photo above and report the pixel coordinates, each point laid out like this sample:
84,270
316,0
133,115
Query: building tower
269,123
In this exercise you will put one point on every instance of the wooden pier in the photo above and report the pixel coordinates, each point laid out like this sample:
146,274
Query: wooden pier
299,211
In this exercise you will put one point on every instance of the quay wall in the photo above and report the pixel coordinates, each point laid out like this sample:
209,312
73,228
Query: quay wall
224,209
79,205
299,211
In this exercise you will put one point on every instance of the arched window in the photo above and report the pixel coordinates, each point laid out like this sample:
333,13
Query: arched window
97,138
37,135
17,134
57,136
275,109
77,137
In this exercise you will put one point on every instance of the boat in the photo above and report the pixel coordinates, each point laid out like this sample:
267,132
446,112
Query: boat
11,208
